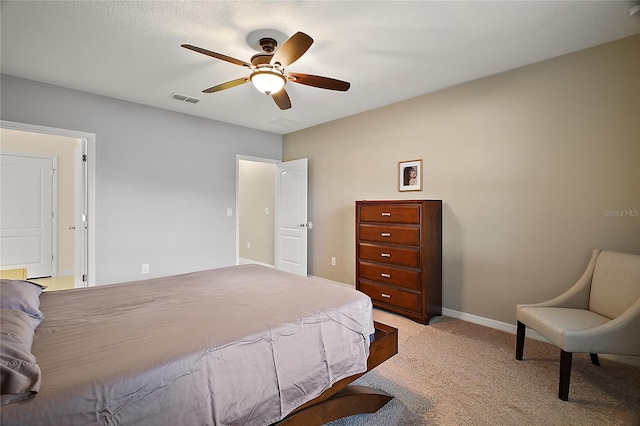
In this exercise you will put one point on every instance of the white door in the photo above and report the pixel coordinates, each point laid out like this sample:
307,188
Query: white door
292,224
26,214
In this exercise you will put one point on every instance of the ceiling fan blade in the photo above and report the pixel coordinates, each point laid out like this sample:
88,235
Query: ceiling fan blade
292,49
217,55
318,81
282,99
227,85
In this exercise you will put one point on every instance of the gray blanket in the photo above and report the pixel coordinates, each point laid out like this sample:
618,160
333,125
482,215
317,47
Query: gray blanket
242,345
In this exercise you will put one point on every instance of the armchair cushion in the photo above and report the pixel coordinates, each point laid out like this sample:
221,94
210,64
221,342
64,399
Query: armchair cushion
555,324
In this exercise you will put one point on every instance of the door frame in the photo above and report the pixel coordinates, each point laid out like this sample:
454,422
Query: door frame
86,197
240,157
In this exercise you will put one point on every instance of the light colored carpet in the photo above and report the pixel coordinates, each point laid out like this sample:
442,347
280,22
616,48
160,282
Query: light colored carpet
453,372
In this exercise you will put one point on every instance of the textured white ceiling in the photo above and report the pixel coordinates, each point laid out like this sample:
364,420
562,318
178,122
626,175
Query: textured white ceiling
389,50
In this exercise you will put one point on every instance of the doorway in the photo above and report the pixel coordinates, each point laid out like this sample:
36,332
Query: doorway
271,207
255,211
74,214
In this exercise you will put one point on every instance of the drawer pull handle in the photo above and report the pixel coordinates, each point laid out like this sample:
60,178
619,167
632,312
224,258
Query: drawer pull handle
386,214
385,234
383,275
386,296
385,254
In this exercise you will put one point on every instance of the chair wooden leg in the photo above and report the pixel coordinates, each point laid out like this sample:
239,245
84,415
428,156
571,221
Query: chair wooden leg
565,375
522,328
594,359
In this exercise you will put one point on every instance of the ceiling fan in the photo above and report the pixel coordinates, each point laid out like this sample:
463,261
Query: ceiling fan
268,73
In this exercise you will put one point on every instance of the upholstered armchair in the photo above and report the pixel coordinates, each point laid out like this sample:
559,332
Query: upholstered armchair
599,314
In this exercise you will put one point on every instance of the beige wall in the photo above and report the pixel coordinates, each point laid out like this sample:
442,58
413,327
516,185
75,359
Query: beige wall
531,165
256,193
18,142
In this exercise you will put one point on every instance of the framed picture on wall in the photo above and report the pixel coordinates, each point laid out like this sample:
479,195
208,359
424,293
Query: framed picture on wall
410,175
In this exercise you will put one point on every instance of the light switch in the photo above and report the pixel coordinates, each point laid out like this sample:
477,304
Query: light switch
229,211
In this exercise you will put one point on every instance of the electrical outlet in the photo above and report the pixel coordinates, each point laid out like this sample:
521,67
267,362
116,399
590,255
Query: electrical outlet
145,268
248,245
333,261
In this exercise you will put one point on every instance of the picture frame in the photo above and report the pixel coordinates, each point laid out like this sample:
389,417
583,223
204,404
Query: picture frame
410,175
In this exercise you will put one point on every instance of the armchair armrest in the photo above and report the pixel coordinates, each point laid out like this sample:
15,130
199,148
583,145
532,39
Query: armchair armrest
615,337
577,296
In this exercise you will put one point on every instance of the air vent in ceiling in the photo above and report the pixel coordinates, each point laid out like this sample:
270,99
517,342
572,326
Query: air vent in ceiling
185,98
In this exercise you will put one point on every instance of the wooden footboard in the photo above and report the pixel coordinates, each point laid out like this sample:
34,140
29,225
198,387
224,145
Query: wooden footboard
341,400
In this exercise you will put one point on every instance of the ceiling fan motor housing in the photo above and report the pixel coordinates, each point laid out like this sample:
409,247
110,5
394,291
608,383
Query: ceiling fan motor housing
268,44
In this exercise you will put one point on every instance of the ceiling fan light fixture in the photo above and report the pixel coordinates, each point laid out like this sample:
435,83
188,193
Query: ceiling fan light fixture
268,69
267,81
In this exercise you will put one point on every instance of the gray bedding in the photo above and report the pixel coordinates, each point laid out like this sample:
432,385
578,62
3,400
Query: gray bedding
243,345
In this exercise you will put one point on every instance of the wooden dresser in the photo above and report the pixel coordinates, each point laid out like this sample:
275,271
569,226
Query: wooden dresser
399,256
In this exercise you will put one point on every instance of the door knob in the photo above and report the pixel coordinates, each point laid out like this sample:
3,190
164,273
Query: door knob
307,225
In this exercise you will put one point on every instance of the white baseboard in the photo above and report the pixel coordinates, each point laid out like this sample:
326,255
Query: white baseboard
244,261
511,328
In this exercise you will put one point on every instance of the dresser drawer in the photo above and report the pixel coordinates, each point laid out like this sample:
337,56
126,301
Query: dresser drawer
404,235
390,213
393,297
390,255
389,275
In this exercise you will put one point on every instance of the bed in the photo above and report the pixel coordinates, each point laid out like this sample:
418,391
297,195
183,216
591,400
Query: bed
245,345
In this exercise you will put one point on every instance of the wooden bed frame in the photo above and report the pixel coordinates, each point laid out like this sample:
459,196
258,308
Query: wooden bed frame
341,400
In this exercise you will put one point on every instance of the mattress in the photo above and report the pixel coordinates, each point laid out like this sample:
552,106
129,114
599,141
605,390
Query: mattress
243,345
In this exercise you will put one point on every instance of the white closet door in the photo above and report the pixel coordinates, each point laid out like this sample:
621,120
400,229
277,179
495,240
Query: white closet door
26,214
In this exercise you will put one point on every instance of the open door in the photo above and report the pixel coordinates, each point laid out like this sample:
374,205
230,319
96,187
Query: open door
292,224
